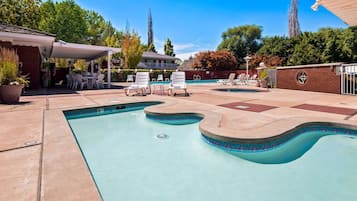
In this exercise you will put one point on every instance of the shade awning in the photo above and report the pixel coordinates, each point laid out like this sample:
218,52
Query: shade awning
344,9
80,51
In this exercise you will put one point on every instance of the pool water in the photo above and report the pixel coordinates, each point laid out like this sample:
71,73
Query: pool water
189,82
130,161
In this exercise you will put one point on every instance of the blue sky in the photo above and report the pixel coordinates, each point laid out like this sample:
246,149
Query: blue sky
197,25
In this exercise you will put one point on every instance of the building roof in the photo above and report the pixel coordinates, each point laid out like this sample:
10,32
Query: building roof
27,37
187,65
153,55
23,30
344,9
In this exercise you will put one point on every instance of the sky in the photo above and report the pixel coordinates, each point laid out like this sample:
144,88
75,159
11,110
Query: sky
197,25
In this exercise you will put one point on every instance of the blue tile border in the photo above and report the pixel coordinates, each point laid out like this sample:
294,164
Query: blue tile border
271,143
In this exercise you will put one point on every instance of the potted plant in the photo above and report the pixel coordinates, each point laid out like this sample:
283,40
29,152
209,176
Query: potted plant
11,82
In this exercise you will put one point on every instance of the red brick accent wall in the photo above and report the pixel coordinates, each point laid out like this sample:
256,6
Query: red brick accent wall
320,79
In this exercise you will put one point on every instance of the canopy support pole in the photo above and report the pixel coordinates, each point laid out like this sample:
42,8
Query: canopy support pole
91,67
109,70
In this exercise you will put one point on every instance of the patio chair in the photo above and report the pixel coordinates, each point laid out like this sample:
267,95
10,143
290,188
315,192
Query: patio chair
99,82
69,80
130,78
252,80
142,83
230,79
178,82
79,80
241,79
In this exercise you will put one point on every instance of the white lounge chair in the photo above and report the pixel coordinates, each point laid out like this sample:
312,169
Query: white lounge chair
230,79
252,80
160,77
178,82
142,83
130,78
241,79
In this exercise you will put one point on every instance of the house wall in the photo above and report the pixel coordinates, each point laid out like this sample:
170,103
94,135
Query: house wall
319,79
159,63
31,62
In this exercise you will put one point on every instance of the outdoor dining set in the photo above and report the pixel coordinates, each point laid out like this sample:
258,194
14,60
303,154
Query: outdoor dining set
88,80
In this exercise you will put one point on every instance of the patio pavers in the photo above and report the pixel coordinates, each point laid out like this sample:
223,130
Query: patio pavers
248,106
20,129
19,174
327,109
65,174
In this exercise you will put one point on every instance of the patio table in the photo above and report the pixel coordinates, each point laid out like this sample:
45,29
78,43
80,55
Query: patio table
91,80
161,88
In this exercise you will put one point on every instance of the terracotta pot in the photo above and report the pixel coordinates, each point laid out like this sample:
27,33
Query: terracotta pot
264,84
10,94
258,83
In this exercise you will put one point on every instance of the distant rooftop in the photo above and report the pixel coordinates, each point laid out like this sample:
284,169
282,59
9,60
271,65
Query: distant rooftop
23,30
154,55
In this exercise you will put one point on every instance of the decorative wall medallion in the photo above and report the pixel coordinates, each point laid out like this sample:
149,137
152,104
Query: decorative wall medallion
302,77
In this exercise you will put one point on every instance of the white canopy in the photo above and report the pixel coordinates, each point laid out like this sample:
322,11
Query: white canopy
344,9
80,51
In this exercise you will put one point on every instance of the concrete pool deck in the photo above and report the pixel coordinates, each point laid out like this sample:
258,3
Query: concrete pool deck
40,159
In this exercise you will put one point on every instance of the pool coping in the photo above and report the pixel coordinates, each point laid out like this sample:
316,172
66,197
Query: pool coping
56,173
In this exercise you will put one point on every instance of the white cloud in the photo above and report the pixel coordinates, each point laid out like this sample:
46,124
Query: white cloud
180,47
186,55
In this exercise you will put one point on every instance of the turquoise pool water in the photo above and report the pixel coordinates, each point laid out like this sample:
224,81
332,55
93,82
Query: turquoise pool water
131,160
188,82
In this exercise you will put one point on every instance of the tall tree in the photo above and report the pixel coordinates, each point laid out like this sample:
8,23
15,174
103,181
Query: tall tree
96,27
114,40
48,15
69,23
132,50
20,12
294,26
215,60
151,48
150,31
169,48
241,41
307,51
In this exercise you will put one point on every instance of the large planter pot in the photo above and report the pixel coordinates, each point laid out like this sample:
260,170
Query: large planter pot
10,94
264,84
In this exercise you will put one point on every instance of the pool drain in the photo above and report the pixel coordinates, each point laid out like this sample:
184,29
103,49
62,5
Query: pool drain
242,107
162,136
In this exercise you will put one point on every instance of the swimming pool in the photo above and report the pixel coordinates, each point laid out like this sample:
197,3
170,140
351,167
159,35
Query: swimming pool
188,82
139,157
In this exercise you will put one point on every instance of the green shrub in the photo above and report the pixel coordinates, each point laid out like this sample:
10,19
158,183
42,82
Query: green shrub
9,73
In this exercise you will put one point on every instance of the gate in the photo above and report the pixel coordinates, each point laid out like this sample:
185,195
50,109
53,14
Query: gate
349,79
